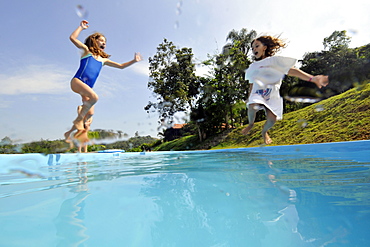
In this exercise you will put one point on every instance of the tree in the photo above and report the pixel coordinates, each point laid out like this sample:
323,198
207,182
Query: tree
345,66
337,40
6,141
172,80
229,85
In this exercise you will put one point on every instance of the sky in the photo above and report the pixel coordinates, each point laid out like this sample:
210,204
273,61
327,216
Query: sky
38,60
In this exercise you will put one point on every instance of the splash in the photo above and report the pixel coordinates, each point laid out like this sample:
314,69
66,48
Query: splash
178,13
81,11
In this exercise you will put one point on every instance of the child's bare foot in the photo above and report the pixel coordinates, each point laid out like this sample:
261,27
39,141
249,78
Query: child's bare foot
266,138
246,130
67,137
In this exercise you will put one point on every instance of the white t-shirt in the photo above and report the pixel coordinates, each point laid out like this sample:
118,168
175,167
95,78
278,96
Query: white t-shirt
266,76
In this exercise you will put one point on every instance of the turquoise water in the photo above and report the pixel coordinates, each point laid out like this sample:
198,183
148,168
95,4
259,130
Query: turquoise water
302,195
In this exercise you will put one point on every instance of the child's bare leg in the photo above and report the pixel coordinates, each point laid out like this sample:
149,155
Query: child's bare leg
90,98
270,121
252,110
68,133
79,121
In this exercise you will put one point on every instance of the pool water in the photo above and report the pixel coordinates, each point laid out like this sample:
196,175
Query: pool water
301,195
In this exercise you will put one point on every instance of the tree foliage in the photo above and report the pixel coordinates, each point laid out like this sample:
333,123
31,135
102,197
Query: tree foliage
215,109
345,66
172,80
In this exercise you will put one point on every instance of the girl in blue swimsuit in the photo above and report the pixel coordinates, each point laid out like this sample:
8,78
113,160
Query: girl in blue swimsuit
92,60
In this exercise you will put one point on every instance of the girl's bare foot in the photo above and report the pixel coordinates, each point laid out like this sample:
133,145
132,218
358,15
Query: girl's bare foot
266,138
246,130
67,136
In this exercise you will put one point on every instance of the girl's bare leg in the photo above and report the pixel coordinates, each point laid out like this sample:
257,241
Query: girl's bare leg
86,92
252,110
88,118
270,121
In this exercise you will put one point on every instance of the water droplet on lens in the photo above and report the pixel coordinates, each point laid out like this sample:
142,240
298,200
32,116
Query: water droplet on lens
176,25
352,31
81,11
319,108
302,123
258,107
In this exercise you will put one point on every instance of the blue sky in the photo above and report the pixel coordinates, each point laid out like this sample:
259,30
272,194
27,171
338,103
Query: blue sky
38,60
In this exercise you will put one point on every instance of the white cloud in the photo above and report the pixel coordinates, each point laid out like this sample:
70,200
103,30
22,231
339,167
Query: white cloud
142,68
35,79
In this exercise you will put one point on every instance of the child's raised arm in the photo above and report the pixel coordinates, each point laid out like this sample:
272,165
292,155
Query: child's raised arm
110,63
74,36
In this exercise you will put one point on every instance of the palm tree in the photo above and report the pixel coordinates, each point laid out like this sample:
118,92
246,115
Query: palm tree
232,63
241,40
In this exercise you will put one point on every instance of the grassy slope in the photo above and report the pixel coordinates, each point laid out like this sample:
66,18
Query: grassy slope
345,117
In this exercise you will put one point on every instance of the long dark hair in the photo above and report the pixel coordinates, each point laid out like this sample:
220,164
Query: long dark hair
273,44
90,42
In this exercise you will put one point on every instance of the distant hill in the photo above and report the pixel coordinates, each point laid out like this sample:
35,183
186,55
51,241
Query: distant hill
344,117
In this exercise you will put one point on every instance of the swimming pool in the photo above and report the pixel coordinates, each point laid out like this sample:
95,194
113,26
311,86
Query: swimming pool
301,195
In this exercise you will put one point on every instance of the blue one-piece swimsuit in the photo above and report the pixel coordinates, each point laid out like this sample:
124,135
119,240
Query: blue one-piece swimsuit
89,70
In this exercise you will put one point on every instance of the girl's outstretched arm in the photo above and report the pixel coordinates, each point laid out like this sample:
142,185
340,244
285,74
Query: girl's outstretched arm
74,36
110,63
319,80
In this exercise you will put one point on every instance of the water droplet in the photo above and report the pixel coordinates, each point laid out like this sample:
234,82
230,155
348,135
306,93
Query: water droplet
302,99
319,108
81,11
176,26
258,107
302,123
352,31
178,7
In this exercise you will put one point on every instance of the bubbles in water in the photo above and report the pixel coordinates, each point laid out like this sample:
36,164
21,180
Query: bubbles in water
81,11
302,123
319,108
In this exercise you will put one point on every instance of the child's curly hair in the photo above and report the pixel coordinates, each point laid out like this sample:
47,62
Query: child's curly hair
273,44
90,42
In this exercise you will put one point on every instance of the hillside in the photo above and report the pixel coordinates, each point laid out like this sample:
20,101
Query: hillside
343,117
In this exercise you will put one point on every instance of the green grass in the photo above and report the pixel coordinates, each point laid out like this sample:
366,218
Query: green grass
344,117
